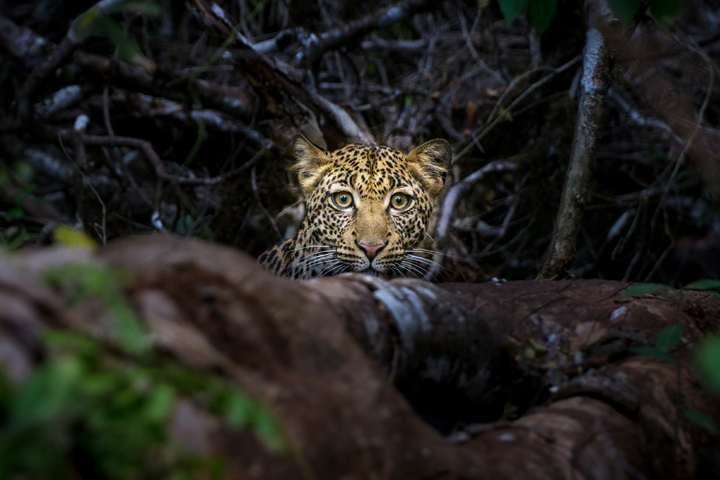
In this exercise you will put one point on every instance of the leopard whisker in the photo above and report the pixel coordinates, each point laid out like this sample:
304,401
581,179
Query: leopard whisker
432,252
426,261
417,271
423,264
307,247
302,266
411,267
317,258
331,270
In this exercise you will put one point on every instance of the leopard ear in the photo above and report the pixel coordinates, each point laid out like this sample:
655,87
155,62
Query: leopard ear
310,162
430,162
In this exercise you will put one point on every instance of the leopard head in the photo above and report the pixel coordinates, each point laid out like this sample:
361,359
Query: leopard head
366,206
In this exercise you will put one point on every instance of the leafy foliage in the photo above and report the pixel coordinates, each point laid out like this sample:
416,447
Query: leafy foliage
83,280
664,11
704,285
105,415
97,21
707,357
643,288
624,9
668,338
71,237
541,12
654,352
511,9
699,418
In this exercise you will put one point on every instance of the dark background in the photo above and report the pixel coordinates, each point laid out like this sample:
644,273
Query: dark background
155,72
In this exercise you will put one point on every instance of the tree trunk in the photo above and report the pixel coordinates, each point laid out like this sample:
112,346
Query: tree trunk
544,365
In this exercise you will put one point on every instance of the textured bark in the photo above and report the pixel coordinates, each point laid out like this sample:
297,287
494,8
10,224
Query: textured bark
595,82
320,352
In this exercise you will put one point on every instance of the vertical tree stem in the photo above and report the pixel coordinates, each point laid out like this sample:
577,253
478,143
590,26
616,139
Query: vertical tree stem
595,83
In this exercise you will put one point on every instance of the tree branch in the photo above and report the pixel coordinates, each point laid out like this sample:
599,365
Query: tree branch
280,87
316,46
449,203
595,82
585,407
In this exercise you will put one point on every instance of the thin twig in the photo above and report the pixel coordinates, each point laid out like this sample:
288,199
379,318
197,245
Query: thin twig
450,202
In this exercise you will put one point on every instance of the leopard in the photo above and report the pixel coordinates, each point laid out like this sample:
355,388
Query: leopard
367,208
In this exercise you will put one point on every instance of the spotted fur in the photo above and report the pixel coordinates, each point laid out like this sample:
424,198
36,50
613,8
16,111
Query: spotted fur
371,235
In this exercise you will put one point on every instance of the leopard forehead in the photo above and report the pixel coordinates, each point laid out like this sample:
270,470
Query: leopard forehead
371,171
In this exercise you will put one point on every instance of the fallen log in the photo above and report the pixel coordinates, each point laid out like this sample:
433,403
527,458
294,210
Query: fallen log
520,379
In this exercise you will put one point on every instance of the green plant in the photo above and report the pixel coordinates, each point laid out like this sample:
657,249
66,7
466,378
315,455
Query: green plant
102,408
541,12
97,21
707,354
668,338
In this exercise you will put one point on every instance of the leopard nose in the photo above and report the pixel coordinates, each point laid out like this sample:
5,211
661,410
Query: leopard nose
371,250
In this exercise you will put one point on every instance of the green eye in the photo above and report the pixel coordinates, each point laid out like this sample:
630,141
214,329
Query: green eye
400,201
342,199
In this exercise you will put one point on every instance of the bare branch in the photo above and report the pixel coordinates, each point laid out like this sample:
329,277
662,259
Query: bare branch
280,87
450,202
317,46
595,83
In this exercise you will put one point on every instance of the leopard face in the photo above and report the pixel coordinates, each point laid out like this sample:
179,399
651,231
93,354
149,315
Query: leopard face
367,207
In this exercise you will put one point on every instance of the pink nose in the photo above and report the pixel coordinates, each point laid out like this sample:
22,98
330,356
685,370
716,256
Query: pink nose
370,250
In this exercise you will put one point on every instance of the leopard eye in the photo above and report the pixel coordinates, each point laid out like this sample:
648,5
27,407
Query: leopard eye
342,200
400,201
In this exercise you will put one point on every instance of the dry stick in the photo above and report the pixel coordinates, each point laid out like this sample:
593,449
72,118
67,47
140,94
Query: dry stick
152,156
595,83
494,121
280,86
316,46
76,34
450,202
32,49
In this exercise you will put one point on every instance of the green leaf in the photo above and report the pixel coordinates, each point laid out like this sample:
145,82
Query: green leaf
151,9
131,334
160,403
707,357
624,9
512,8
540,14
266,428
72,237
706,284
126,46
67,342
24,171
664,11
643,288
653,352
669,337
48,395
238,409
699,418
16,213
